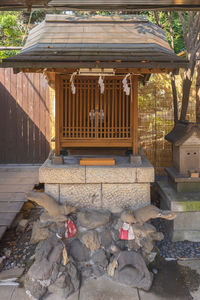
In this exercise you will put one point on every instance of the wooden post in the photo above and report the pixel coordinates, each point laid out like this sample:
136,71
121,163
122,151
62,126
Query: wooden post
57,115
134,105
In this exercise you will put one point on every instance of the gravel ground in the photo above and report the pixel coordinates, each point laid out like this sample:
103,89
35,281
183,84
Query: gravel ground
15,248
175,250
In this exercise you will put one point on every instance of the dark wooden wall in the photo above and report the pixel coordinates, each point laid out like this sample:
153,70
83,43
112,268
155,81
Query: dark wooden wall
24,118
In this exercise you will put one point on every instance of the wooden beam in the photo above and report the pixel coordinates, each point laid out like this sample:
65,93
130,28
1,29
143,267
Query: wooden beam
9,63
54,70
100,143
57,115
97,161
135,114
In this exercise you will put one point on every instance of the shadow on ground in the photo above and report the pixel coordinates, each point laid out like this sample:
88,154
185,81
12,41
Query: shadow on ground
174,281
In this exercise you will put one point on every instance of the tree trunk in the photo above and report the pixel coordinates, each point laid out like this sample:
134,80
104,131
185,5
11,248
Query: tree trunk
175,102
198,88
187,82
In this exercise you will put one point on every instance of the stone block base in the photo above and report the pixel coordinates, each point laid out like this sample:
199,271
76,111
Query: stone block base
183,183
114,197
186,226
57,160
186,235
116,187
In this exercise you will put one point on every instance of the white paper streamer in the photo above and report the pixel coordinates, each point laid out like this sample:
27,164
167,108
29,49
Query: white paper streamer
73,88
101,84
125,85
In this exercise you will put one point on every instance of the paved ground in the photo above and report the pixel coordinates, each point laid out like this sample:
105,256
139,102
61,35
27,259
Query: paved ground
15,181
102,289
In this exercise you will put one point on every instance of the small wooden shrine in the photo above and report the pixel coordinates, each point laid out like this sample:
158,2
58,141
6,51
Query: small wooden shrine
86,60
95,65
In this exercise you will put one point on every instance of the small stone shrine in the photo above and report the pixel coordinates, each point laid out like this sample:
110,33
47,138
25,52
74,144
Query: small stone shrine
181,192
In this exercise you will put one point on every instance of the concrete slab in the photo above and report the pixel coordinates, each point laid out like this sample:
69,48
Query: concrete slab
187,207
178,202
194,265
6,292
150,296
186,235
19,294
102,288
15,182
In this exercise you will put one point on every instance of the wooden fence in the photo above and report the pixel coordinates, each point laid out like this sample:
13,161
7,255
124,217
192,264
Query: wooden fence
24,118
156,119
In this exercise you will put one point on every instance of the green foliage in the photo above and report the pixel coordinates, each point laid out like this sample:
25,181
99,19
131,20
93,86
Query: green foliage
14,27
12,30
179,44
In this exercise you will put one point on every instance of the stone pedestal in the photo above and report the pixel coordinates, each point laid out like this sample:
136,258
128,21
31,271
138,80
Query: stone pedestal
186,204
125,185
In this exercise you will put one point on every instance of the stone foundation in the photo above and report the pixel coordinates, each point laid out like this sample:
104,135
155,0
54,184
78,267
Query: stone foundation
110,187
187,207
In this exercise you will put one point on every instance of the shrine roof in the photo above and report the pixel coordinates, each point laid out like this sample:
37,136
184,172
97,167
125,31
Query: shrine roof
111,41
181,132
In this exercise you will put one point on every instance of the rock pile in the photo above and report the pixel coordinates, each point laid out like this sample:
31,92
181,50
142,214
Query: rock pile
62,264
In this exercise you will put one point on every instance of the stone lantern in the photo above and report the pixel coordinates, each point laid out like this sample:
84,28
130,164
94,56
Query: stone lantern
185,139
180,193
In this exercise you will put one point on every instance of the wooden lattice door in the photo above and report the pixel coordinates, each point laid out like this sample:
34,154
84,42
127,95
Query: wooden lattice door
91,119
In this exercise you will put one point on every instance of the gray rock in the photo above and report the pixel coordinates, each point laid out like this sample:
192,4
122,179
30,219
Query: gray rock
99,258
78,251
129,276
106,238
73,274
92,219
117,223
62,287
46,219
40,270
122,244
50,253
91,240
86,272
98,271
39,233
34,288
132,277
22,225
66,283
115,234
134,260
127,216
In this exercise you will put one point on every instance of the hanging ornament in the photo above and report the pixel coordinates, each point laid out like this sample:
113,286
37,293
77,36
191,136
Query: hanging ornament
73,88
125,85
101,84
126,232
71,229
